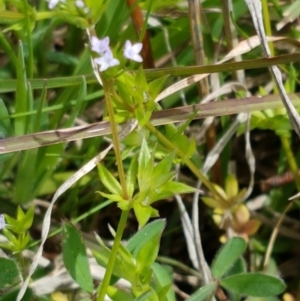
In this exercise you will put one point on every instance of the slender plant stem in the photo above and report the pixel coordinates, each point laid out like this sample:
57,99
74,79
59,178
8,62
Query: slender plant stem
187,161
113,256
108,91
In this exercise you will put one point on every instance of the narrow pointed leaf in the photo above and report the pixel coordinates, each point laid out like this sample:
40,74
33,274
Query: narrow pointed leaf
163,281
109,181
21,94
145,234
131,177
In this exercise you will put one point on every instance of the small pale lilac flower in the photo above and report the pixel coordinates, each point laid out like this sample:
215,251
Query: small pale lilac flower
2,222
53,3
100,46
131,51
106,61
80,4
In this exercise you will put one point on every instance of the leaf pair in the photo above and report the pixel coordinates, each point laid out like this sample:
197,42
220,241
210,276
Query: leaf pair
240,283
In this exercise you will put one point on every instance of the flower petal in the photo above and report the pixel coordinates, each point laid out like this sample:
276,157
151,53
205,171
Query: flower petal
131,51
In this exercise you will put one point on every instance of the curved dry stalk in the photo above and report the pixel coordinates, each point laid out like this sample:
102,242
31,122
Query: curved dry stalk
274,234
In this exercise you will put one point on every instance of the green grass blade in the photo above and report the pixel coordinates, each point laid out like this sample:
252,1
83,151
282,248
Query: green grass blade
21,94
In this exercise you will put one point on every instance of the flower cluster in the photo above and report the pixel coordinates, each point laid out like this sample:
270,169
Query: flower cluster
106,59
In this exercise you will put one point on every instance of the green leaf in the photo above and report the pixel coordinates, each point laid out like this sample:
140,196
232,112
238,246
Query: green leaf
148,296
131,177
161,174
11,237
21,94
239,267
28,218
163,282
227,256
75,257
145,166
144,235
10,275
254,284
204,292
112,197
109,180
13,295
177,187
23,241
124,266
20,213
5,124
23,221
118,295
144,213
156,85
147,254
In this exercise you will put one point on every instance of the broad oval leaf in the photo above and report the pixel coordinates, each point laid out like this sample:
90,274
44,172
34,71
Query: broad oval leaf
254,284
10,275
227,256
75,257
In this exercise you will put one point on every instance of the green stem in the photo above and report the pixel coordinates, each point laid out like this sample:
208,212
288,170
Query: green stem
187,161
108,91
21,260
113,256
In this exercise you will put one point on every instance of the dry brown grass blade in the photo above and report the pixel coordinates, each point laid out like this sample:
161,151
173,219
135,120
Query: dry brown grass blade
226,107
